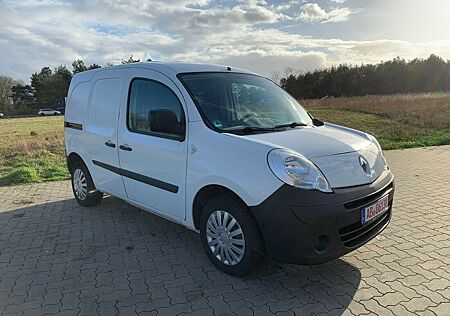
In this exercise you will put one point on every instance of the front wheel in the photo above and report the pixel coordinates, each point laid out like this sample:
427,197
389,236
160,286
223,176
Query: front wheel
230,235
83,186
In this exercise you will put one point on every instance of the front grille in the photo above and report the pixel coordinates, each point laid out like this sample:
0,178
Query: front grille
356,234
368,199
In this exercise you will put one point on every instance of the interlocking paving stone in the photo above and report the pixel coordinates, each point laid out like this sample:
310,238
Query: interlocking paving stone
114,259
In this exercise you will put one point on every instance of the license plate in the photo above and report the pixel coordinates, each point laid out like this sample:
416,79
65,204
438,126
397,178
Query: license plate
374,210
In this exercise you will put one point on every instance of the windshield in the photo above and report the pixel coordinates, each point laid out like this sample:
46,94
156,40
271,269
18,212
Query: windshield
233,102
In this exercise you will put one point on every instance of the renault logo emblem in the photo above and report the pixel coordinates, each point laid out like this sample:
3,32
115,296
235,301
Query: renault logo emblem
364,165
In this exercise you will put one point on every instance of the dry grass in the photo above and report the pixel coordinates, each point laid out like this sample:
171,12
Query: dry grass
429,110
32,150
30,135
399,121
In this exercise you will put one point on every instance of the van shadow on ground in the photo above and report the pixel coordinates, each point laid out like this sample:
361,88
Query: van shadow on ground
114,258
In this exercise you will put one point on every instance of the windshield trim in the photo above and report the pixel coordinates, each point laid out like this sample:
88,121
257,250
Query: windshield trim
201,112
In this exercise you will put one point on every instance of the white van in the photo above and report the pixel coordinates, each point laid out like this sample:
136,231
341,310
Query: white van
227,153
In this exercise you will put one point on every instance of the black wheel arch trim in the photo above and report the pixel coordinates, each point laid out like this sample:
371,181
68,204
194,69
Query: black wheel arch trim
138,177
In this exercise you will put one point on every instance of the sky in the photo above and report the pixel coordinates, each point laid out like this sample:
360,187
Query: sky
263,36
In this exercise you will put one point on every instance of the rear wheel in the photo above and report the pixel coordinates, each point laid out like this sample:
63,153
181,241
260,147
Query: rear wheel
230,235
83,186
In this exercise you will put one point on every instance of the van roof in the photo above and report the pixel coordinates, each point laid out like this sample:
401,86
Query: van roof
173,67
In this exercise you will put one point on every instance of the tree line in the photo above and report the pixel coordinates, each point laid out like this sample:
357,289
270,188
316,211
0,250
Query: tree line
390,77
47,89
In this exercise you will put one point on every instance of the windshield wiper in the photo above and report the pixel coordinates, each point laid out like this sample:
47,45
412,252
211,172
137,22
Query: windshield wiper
252,129
291,125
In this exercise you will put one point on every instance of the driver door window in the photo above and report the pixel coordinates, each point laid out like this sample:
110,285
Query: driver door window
155,110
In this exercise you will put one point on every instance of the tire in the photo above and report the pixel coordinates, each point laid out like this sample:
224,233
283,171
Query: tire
83,187
233,262
42,114
55,114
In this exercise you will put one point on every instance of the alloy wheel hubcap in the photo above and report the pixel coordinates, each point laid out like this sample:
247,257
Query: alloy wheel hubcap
79,184
225,238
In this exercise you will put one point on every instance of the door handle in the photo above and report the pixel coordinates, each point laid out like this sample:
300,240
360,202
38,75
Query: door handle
125,147
110,144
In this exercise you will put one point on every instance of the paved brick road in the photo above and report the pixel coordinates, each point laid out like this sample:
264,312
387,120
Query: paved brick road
58,257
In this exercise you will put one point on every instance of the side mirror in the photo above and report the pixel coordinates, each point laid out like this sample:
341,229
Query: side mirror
318,122
315,121
166,122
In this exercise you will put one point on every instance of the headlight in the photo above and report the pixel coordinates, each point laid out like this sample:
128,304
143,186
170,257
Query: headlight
296,170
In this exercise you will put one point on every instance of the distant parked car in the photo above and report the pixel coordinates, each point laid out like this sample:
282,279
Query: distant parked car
44,112
1,115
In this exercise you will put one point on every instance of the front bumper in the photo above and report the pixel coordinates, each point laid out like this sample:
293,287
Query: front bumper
311,227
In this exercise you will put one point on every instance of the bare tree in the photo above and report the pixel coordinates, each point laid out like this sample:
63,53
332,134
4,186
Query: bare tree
6,84
275,76
291,71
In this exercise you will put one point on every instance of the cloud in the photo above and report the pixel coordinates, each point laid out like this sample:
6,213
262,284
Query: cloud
255,14
41,33
339,1
246,34
264,64
312,12
280,7
338,15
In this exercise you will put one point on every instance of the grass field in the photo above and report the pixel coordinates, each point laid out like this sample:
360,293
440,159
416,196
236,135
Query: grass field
397,121
32,149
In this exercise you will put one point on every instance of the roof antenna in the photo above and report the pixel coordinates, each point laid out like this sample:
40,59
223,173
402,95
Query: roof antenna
229,68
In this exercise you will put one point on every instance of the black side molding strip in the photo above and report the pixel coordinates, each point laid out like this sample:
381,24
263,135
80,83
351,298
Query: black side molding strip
73,125
138,177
